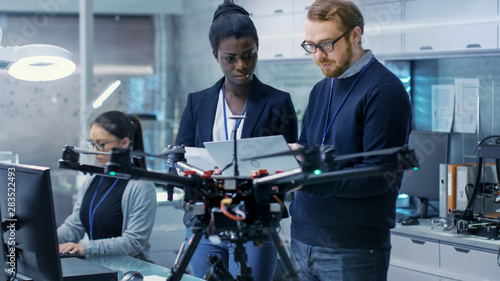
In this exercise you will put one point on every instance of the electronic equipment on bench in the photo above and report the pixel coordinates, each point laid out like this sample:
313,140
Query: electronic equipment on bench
482,224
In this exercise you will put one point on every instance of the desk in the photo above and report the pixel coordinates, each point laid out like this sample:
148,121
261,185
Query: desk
123,264
422,253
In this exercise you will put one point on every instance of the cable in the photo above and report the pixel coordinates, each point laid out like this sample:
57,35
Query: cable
498,257
223,203
467,187
279,201
487,138
227,166
241,214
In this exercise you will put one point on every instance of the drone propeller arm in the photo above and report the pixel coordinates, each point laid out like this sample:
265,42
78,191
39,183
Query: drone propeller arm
128,173
86,169
136,173
185,166
120,166
297,177
290,179
294,178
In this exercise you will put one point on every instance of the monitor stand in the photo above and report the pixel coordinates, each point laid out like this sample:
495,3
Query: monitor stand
423,206
3,276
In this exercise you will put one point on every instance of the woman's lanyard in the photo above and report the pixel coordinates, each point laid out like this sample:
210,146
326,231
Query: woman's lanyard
92,212
224,107
326,129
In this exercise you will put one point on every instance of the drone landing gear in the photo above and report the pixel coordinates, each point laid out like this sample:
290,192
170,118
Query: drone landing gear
219,272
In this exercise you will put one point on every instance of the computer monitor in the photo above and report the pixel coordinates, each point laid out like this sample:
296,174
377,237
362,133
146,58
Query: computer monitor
3,275
26,203
431,149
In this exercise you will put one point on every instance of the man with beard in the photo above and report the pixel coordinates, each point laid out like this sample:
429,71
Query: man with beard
341,229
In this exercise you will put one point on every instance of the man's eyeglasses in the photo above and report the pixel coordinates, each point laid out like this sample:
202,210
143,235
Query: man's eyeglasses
99,145
325,47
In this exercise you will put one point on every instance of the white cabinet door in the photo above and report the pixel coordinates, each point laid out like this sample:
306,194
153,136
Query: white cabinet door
275,48
450,25
267,7
300,6
415,253
452,38
299,20
397,274
469,262
450,11
428,26
282,25
381,33
298,51
383,42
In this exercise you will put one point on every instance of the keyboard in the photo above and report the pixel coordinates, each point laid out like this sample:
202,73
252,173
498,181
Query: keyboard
71,255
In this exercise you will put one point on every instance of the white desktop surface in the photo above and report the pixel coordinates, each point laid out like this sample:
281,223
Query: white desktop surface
425,229
122,264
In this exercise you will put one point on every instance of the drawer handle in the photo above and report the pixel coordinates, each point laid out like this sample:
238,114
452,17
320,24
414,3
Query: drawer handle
470,46
425,48
278,11
419,242
460,250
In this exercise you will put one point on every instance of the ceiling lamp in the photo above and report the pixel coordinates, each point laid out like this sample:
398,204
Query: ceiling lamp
36,62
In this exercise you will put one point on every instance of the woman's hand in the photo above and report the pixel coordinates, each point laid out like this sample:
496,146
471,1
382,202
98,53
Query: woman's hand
71,248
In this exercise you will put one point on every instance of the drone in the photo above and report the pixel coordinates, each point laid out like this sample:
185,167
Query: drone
236,208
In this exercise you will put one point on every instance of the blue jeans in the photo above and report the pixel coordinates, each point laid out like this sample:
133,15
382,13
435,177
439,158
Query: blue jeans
321,263
261,260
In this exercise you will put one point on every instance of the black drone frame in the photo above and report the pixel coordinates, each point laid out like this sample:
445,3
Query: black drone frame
255,193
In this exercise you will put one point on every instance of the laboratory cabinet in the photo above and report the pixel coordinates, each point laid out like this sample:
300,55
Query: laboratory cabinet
382,32
469,37
475,263
280,26
276,48
281,32
399,273
258,8
276,36
450,11
415,251
421,253
393,28
420,27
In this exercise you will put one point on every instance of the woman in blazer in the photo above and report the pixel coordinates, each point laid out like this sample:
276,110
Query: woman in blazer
206,117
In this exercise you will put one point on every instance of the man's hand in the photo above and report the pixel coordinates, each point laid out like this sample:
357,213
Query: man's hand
296,146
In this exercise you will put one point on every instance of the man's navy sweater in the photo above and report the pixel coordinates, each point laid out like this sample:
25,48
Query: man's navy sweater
359,212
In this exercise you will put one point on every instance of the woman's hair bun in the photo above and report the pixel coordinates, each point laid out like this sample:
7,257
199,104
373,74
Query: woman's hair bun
228,7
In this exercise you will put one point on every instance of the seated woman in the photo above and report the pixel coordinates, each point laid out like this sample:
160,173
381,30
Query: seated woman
116,214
